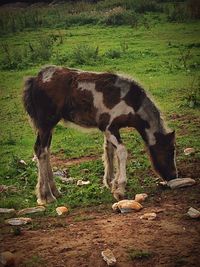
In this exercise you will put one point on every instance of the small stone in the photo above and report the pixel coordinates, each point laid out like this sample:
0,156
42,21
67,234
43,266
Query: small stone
148,216
18,221
7,211
140,197
22,162
65,180
7,258
109,257
181,182
127,206
188,151
81,182
61,210
31,210
193,213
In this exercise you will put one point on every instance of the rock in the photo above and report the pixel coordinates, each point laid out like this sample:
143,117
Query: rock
188,151
7,258
22,162
140,197
7,211
148,216
81,182
32,210
18,221
181,182
61,210
127,206
109,257
65,180
193,213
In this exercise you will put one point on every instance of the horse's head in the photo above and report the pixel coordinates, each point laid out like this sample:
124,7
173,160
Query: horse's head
163,155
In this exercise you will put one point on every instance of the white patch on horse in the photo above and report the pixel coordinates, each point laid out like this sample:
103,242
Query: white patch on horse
124,85
48,73
120,109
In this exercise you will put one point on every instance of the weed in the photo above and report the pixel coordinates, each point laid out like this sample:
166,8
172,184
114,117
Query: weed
113,53
84,54
136,254
34,261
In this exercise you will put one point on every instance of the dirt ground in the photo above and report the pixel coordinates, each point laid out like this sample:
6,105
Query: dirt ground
77,239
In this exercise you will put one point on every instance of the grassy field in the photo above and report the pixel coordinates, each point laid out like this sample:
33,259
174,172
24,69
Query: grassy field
164,57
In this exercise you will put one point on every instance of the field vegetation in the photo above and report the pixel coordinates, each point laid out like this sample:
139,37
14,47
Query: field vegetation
155,42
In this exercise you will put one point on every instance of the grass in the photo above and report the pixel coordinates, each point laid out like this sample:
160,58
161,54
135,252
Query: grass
157,56
136,254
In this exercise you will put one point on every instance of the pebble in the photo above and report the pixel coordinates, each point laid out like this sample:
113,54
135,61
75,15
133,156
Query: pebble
189,150
148,216
2,210
193,213
109,257
31,210
181,182
7,258
81,182
61,210
140,197
127,206
18,221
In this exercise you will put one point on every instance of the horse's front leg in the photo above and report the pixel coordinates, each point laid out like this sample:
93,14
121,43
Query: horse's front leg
119,182
108,158
43,189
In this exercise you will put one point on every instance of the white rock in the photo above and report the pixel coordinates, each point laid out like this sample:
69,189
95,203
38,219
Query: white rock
140,197
61,210
32,210
148,216
81,182
2,210
189,150
126,205
181,182
109,257
18,221
193,213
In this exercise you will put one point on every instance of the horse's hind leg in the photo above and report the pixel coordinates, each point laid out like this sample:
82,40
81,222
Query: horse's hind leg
108,158
45,187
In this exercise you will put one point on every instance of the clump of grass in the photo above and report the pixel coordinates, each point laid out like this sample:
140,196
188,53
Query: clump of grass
136,254
84,54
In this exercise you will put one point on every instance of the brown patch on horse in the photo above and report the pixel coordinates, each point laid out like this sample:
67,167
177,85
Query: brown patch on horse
104,119
131,120
104,83
135,96
58,88
80,108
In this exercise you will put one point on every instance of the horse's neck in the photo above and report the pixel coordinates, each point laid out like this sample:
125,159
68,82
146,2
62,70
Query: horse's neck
150,114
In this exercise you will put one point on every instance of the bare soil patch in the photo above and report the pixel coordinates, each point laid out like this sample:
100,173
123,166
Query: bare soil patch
172,239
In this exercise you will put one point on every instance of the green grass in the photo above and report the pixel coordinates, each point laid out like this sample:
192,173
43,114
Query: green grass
150,55
136,254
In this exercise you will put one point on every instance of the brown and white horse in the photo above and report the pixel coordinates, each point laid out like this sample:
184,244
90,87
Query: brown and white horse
103,100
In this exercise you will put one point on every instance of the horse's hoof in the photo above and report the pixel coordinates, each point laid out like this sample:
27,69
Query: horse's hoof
46,200
118,195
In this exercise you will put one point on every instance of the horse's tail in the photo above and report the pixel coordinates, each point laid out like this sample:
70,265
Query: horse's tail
29,94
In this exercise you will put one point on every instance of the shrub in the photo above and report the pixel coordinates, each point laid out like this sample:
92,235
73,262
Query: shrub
113,53
119,16
85,54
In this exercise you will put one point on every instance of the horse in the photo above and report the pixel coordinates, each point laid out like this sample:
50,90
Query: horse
104,100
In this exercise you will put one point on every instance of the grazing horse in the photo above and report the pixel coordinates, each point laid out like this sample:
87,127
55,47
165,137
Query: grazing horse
106,101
